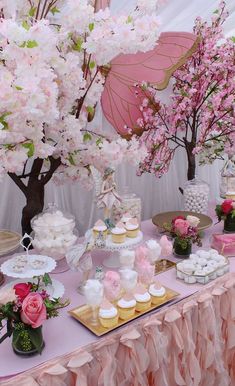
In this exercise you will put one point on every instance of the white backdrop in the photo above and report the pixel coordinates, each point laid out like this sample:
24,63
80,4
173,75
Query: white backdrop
157,195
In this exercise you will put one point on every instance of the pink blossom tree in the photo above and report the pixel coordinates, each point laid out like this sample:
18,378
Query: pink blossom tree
200,116
53,55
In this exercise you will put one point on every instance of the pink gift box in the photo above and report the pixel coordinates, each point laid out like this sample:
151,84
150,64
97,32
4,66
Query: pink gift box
224,244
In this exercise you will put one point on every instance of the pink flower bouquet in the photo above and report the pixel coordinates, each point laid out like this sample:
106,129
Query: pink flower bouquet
185,232
25,307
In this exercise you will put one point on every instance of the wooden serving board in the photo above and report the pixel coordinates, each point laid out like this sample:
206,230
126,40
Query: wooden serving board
84,313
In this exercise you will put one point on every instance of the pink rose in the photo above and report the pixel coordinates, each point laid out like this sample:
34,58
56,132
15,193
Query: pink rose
181,227
33,310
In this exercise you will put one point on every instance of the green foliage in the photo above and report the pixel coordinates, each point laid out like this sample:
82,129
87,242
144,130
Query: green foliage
3,121
92,65
71,160
32,11
31,148
77,46
91,26
87,137
25,25
46,279
54,10
31,44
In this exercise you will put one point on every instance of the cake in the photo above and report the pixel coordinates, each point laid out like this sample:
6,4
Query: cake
142,297
108,314
157,292
132,228
126,307
118,233
100,227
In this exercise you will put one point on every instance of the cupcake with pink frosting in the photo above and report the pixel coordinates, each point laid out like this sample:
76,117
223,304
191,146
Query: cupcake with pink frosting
142,297
157,292
108,314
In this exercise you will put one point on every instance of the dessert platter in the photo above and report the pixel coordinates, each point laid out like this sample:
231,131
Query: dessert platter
120,298
9,241
202,266
83,313
125,234
25,266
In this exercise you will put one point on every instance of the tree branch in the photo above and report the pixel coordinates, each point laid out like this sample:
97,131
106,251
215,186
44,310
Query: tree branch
55,163
18,182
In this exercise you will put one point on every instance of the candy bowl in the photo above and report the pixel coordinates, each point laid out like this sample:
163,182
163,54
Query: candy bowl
54,232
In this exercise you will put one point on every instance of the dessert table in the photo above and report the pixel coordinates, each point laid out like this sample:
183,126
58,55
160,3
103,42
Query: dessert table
190,341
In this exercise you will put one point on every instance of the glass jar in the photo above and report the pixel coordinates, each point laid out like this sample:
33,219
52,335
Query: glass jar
180,251
130,203
53,232
227,181
196,196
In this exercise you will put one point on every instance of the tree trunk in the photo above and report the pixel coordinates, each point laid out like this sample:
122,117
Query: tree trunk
191,162
34,204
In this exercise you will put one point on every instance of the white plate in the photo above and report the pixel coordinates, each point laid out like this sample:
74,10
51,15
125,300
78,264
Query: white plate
55,290
7,267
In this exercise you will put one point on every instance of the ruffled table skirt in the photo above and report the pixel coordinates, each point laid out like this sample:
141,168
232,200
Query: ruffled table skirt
191,343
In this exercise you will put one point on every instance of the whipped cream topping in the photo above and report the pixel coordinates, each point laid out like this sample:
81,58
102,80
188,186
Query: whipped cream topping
100,226
126,217
141,298
108,313
119,229
157,290
131,227
122,303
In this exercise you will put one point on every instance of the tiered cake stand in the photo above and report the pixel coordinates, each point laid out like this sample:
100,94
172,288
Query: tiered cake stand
114,248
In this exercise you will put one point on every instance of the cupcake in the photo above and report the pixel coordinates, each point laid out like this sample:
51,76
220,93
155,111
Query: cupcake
132,228
142,297
126,307
108,314
126,217
100,227
157,292
118,233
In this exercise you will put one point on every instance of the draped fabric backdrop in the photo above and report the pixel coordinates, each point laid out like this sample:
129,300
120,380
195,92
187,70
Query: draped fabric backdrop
157,194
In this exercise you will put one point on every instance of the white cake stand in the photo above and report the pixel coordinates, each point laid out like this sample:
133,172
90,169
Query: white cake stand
114,248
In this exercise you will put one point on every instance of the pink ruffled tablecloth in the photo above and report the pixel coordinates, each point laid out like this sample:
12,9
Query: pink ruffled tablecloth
189,343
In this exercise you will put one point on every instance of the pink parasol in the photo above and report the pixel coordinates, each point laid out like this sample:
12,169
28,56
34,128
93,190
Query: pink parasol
119,101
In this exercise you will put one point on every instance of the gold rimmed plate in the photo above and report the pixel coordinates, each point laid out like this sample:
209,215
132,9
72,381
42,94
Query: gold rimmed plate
9,241
84,314
166,217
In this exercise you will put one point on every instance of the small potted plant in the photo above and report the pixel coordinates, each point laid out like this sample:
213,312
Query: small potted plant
184,231
226,212
25,307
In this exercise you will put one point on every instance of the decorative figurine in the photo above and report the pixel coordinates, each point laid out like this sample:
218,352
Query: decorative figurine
108,196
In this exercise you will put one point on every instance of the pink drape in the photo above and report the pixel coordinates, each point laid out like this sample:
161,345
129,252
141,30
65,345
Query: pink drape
191,343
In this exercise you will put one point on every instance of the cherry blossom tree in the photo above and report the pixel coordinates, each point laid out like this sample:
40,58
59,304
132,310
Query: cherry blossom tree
200,116
53,60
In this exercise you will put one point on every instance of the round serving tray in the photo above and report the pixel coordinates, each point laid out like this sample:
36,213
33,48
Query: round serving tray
166,217
9,241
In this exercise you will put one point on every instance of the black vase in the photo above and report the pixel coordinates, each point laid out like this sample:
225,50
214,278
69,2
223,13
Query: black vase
229,224
182,252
